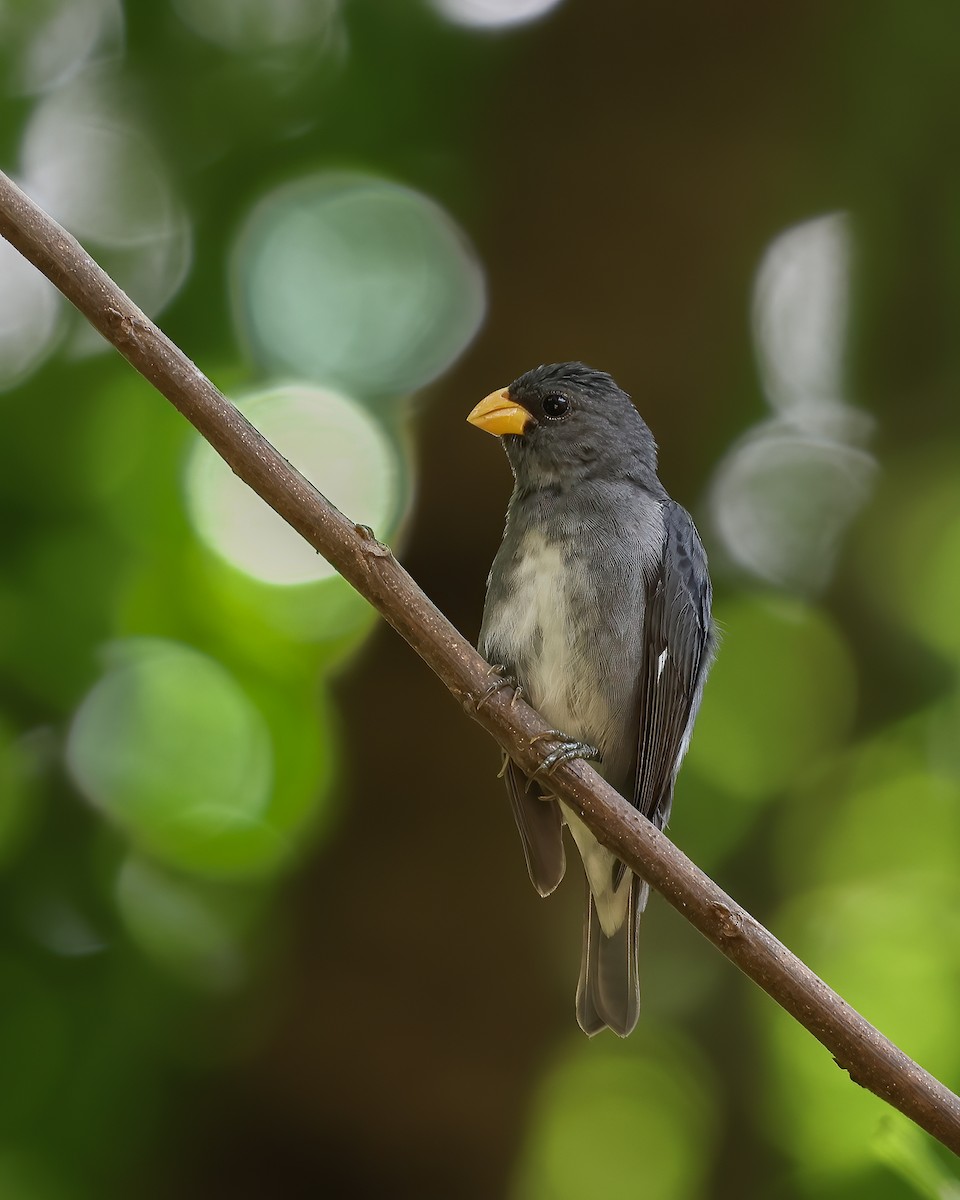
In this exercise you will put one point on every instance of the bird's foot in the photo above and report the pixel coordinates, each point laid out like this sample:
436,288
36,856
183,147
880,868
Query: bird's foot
567,750
504,680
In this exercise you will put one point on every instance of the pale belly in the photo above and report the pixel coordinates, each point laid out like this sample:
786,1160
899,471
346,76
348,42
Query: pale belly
546,632
577,658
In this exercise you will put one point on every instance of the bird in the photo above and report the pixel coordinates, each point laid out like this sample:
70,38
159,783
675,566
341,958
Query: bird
598,611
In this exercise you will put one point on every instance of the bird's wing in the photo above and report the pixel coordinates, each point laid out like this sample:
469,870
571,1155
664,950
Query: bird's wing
541,829
678,644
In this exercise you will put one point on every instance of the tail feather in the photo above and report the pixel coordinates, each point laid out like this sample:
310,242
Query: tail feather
608,995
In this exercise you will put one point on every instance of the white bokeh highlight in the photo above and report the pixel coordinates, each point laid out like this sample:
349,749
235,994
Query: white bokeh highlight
64,38
800,315
782,500
31,316
87,162
357,283
328,438
784,494
493,14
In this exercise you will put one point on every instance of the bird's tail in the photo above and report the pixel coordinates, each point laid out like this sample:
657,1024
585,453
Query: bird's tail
608,995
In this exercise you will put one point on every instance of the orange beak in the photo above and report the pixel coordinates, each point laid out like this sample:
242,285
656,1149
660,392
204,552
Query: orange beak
497,414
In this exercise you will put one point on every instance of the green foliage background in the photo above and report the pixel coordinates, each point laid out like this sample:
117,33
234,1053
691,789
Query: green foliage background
264,924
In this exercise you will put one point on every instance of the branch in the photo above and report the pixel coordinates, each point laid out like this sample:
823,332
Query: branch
871,1059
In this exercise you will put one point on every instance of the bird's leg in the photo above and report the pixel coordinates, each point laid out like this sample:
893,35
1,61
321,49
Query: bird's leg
504,680
567,750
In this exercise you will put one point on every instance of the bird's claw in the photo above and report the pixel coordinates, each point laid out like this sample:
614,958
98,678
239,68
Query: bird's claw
503,680
568,749
549,735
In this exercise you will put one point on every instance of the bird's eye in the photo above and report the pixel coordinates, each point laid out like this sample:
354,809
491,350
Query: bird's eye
556,407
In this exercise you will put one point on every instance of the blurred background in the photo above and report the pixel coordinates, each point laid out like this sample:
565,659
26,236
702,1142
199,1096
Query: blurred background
265,927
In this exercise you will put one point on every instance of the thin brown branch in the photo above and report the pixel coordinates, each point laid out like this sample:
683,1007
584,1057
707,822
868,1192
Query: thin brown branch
871,1059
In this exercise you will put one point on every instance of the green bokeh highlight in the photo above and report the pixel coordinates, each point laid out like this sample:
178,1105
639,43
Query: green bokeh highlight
171,749
608,1122
780,701
875,887
864,939
912,551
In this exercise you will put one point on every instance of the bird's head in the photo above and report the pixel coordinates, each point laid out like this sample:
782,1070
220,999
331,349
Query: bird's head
565,422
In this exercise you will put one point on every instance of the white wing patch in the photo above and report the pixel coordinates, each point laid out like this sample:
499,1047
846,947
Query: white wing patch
661,663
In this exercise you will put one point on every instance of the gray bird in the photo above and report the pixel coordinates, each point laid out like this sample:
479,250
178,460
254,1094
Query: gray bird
598,608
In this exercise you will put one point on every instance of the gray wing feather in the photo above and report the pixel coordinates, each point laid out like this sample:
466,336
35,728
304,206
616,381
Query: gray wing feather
678,646
541,830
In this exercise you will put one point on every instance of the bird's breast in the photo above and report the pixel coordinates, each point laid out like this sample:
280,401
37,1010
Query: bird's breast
558,622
